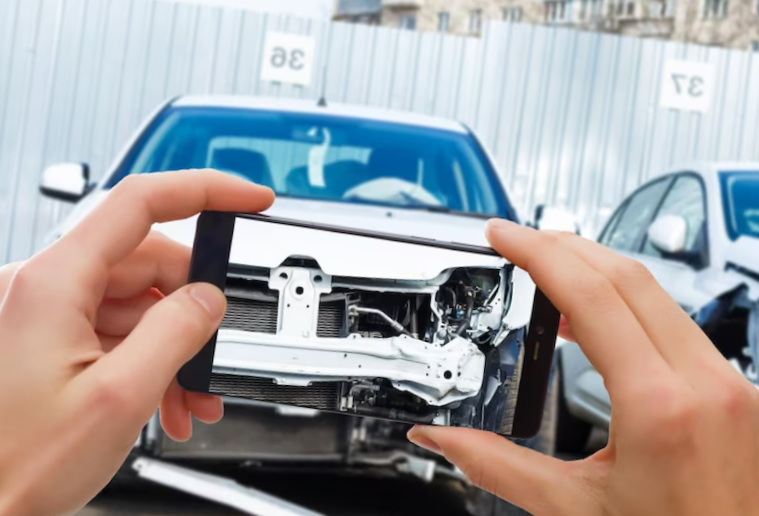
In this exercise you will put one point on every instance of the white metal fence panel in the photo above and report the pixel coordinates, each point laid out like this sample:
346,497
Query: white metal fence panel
572,118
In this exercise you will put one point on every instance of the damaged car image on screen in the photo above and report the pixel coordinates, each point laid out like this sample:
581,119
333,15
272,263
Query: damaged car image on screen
370,327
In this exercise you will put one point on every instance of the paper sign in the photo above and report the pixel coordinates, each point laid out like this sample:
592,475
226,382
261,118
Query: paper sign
288,58
687,85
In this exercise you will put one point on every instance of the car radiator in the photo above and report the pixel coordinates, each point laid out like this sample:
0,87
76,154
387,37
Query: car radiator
260,315
319,395
254,312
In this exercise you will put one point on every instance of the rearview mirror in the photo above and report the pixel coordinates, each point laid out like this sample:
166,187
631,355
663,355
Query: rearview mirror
66,181
668,233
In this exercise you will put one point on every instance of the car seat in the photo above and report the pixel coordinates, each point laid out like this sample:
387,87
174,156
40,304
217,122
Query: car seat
250,164
338,178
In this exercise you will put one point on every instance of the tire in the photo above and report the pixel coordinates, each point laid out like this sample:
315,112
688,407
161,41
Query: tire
571,433
482,503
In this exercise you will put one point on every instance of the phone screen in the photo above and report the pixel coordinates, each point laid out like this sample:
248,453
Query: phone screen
371,324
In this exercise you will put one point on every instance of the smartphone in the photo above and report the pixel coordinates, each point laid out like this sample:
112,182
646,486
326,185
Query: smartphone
372,324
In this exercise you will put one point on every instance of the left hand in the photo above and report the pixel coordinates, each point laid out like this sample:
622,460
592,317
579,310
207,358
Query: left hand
92,333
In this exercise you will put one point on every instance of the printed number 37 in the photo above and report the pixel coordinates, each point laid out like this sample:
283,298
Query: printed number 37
692,86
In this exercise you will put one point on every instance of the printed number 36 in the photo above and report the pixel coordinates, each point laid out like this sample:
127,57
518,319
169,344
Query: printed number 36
692,86
280,58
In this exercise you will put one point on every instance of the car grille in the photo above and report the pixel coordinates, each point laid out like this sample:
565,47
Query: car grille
319,395
260,316
332,319
250,315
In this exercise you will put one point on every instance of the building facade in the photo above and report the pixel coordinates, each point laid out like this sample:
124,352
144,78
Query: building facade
724,23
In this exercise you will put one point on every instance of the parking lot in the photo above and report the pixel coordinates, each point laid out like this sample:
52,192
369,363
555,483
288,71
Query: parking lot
331,495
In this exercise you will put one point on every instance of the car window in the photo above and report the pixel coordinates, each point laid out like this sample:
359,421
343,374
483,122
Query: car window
740,200
630,229
610,225
685,199
328,158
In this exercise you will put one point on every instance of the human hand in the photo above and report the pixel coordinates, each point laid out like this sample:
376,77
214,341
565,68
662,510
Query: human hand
684,437
93,330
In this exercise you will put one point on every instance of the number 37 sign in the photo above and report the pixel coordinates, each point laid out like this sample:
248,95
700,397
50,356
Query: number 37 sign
687,85
288,58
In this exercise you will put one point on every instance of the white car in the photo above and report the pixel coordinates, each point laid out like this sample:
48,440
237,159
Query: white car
696,229
382,328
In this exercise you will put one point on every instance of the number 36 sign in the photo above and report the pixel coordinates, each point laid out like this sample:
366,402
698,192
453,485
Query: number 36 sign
687,85
288,58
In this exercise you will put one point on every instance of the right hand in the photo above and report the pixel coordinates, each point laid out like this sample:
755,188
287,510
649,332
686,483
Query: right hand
684,437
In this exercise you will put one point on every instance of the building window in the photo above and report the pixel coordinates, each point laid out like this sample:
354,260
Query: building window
514,14
475,21
669,9
443,21
594,10
556,11
408,22
714,9
626,9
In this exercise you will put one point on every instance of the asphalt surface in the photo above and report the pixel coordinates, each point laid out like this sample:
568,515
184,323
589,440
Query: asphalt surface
327,494
330,495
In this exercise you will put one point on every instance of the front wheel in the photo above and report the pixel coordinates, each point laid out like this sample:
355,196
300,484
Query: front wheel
482,503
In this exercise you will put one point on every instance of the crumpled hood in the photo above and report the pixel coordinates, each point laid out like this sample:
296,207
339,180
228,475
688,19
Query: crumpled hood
744,253
268,245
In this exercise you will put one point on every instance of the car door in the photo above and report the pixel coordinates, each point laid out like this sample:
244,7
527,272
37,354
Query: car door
585,393
678,274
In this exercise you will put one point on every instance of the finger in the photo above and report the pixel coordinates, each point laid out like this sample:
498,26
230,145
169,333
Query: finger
158,262
117,226
205,407
118,317
174,413
515,473
169,334
604,326
565,330
6,274
677,337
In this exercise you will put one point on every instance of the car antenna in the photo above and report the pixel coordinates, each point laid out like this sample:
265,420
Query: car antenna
323,97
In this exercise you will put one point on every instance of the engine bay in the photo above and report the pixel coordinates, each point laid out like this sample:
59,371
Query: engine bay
413,351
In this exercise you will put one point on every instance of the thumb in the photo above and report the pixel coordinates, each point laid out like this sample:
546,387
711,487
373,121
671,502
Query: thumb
169,334
526,478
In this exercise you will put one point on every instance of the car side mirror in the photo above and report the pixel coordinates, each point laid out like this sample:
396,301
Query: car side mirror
553,218
668,233
66,181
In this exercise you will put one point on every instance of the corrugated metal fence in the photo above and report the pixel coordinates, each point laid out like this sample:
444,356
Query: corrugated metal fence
572,118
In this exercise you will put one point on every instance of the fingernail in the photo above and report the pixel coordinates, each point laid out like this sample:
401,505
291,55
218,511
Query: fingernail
424,442
499,225
210,298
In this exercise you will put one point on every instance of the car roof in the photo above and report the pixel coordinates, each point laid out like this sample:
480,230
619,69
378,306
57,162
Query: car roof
312,107
712,167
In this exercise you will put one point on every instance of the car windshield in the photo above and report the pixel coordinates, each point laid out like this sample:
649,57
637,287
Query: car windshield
319,157
740,197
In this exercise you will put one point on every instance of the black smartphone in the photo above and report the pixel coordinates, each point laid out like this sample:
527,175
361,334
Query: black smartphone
372,324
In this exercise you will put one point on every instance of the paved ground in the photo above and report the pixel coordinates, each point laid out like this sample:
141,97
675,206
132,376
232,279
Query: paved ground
328,494
333,496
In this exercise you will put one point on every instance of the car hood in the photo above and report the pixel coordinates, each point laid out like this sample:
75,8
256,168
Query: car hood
263,244
742,258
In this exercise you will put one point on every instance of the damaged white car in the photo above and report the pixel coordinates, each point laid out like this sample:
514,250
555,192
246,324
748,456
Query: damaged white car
341,322
696,229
